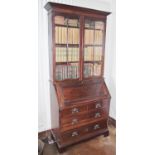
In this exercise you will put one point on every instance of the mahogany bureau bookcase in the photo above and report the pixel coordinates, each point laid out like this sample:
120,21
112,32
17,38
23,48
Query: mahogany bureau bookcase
77,51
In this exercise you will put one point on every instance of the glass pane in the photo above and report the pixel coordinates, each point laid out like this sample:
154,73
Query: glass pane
61,54
73,22
97,69
98,37
61,72
89,23
99,25
60,20
88,69
97,53
73,35
60,35
89,36
73,71
88,53
73,54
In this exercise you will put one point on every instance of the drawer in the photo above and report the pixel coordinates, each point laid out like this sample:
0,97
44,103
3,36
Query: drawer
88,129
74,119
97,126
99,113
96,105
73,134
73,111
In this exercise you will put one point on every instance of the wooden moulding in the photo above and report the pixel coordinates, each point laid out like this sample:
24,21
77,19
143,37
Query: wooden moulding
75,9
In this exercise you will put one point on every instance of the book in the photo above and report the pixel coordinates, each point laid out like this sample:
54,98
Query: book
73,22
97,69
89,36
59,20
88,70
98,37
99,25
97,53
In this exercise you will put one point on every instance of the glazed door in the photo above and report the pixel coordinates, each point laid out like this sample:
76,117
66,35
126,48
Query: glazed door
94,34
67,45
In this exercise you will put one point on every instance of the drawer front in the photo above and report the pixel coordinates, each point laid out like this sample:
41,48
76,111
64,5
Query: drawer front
77,119
79,132
97,126
74,120
99,113
73,111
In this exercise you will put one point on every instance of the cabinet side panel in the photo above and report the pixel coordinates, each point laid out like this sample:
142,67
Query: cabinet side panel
53,98
54,108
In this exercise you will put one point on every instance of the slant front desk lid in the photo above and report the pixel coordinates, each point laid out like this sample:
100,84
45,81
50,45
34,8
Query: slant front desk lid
72,94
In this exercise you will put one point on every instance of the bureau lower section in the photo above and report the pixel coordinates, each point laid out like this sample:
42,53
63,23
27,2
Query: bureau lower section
81,122
85,132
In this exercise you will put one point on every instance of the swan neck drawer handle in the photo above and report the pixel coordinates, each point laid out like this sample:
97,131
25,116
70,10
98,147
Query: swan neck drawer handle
75,133
96,127
74,121
98,105
97,115
75,110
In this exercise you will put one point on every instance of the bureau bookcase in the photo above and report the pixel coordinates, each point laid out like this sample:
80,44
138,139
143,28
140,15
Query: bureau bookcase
77,52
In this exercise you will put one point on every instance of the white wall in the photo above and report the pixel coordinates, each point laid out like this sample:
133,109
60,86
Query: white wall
46,111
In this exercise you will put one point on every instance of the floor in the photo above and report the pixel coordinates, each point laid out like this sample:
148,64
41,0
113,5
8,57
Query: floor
98,146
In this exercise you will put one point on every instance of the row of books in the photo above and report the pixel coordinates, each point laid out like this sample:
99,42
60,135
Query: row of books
73,54
90,55
61,35
94,24
98,37
62,53
92,69
61,20
93,36
73,35
67,71
89,36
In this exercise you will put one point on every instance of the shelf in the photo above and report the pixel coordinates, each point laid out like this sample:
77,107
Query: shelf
99,61
90,28
65,63
96,45
65,45
59,25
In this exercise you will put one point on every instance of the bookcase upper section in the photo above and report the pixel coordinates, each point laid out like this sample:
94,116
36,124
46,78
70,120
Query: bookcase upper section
78,42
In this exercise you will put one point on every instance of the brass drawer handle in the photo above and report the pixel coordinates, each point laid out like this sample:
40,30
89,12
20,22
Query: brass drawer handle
98,105
97,126
74,121
75,110
97,115
75,133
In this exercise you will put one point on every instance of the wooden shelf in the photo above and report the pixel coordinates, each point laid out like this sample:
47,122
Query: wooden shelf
69,26
90,28
99,61
96,45
65,45
61,63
